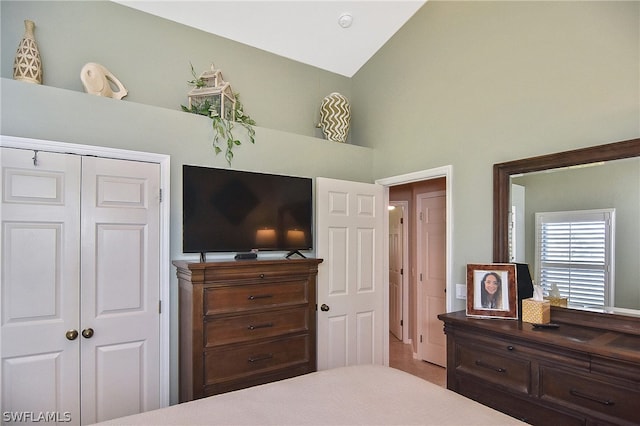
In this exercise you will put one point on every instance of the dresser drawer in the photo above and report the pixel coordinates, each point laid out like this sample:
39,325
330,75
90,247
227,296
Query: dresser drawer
520,408
251,270
256,296
508,372
243,328
589,393
516,348
238,361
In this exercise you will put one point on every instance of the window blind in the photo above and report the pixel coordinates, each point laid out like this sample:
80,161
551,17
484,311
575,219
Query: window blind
574,251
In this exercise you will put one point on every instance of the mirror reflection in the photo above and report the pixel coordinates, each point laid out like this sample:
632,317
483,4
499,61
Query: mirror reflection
588,195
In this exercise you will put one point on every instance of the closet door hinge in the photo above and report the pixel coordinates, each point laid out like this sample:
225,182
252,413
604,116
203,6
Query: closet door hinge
159,306
160,195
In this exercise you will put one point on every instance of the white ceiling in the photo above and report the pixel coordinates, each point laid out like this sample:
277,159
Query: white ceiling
306,31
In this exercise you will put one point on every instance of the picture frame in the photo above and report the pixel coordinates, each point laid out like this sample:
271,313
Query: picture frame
492,290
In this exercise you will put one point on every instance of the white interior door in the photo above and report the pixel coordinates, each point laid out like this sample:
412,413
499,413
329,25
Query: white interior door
396,245
40,283
120,288
350,239
432,275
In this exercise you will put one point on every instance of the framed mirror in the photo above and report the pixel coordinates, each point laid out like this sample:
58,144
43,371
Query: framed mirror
504,172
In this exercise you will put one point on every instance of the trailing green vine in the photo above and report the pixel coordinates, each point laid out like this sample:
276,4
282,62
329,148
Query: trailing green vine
223,129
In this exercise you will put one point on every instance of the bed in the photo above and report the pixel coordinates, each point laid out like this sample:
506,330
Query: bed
357,395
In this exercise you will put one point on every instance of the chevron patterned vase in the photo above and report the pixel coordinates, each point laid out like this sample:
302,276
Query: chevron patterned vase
27,65
335,117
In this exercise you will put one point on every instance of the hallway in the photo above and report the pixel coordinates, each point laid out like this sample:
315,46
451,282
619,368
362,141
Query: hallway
401,357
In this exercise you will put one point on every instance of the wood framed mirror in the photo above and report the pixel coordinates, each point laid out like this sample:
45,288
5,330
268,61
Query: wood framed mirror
502,173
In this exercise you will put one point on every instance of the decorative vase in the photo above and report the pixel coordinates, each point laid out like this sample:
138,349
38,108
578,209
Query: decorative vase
335,117
27,65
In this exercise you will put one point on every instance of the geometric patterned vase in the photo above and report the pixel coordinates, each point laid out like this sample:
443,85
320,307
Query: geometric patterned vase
27,65
335,117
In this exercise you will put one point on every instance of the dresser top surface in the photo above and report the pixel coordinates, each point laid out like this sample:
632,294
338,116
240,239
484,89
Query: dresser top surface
607,343
193,265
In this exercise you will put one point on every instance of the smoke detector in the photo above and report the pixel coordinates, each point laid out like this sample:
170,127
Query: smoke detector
345,20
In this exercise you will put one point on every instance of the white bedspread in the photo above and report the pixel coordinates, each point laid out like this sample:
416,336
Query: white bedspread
359,395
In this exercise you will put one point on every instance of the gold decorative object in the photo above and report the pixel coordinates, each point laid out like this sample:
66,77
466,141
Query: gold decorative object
536,311
335,117
27,65
213,91
562,302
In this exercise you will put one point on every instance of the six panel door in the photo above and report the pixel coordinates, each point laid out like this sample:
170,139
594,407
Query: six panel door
350,237
40,282
120,288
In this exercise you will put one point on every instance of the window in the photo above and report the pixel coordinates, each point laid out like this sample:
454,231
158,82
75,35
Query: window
574,250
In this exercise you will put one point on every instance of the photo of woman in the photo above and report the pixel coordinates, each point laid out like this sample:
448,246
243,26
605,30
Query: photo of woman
491,290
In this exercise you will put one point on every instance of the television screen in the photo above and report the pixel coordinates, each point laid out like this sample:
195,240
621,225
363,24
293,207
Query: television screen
236,211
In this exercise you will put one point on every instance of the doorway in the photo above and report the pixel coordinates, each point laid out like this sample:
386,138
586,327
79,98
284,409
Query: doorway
405,188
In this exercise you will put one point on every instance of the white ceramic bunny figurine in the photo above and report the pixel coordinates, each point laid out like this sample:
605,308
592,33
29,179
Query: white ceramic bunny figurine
98,80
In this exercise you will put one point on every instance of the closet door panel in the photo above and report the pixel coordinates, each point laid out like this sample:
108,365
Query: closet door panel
40,282
120,288
120,376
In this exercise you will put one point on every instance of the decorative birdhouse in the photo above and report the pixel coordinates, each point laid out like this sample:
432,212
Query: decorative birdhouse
213,92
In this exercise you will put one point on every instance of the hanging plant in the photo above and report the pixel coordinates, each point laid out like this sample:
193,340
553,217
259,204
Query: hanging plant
203,101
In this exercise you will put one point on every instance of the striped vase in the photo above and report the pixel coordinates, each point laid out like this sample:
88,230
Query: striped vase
335,117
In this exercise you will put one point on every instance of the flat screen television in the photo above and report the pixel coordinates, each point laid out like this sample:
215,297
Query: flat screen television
237,211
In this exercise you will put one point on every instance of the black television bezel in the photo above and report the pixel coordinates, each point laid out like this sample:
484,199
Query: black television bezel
255,175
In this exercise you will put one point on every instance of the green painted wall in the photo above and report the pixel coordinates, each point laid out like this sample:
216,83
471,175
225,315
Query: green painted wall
151,57
472,83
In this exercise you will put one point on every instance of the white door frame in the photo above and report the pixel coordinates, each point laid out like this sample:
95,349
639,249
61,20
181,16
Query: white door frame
446,172
164,162
404,205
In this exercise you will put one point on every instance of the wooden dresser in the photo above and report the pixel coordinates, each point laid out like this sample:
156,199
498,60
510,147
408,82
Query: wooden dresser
244,323
585,372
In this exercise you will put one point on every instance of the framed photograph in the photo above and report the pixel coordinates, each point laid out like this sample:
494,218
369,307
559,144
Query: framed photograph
492,290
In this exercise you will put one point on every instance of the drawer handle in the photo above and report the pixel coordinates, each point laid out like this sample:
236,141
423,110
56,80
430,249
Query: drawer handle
510,348
490,367
262,357
260,296
590,397
254,327
262,276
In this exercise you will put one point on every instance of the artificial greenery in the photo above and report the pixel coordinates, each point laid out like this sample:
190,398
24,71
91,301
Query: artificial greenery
223,129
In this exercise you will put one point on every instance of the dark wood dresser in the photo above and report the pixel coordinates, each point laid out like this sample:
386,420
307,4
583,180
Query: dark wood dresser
585,372
244,323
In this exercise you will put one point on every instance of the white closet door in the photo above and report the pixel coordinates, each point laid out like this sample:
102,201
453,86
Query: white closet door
40,283
120,288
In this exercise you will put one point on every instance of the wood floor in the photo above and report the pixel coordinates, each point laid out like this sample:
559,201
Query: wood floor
401,357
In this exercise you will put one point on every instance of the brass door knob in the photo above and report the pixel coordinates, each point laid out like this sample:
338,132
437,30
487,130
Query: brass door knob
87,333
71,334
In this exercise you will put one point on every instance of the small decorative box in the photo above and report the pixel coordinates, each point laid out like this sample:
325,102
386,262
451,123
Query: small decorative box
557,301
535,311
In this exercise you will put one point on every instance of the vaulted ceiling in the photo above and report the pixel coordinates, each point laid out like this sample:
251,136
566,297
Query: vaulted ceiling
337,36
